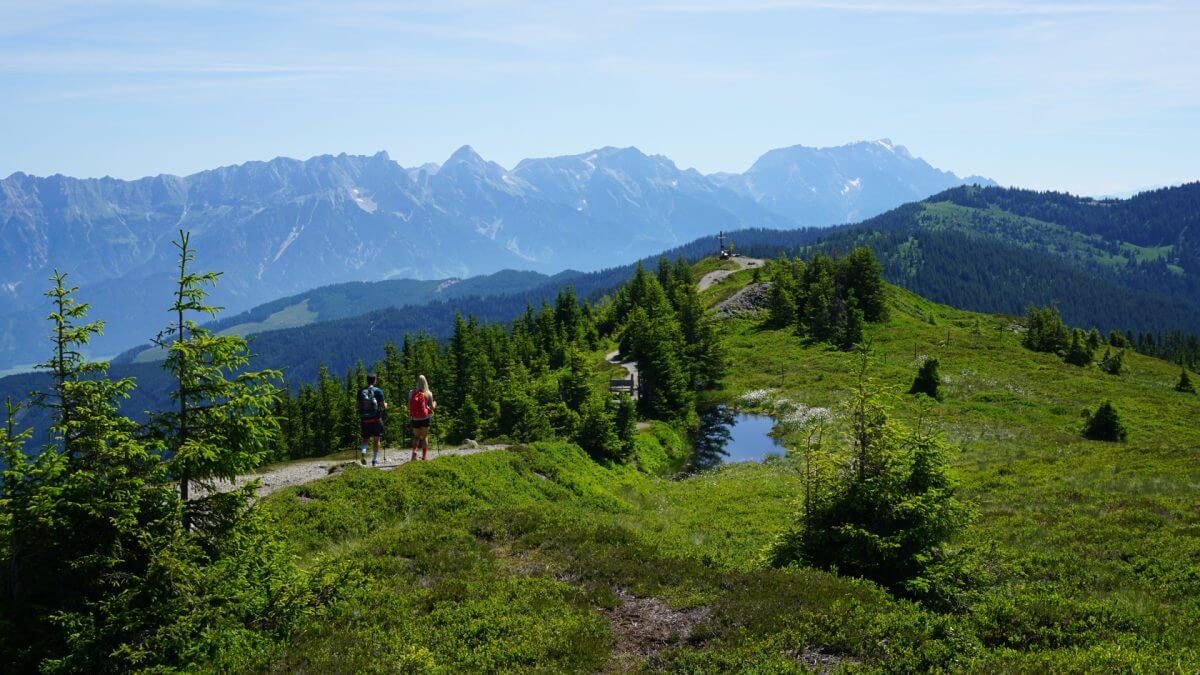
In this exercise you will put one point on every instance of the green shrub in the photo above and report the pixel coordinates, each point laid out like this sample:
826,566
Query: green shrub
1185,383
1113,364
1045,330
884,511
927,381
1105,424
1078,353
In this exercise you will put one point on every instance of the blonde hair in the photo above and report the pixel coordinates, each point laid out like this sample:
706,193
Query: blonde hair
423,385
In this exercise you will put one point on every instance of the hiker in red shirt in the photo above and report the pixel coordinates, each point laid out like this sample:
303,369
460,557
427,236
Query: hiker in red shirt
420,408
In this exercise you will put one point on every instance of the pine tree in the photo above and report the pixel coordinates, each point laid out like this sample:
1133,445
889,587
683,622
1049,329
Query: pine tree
703,350
851,331
888,514
1105,424
223,425
781,303
817,320
665,390
81,521
625,425
864,280
1113,364
66,365
1093,340
1045,330
1078,353
568,315
927,381
1185,383
597,433
573,384
467,422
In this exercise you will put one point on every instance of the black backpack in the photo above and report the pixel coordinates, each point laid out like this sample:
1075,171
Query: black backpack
368,405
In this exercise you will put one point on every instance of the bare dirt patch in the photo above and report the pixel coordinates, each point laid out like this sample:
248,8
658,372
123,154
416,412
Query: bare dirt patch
646,626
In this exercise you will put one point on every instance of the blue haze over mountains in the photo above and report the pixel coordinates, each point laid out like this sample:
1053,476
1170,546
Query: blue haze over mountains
284,226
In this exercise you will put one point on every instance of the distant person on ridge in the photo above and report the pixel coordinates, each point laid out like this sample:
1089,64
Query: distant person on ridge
371,404
420,408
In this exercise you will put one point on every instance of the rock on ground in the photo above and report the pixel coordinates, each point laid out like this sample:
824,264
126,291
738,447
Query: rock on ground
750,300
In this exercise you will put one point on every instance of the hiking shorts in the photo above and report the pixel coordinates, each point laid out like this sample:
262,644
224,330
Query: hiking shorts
371,429
422,424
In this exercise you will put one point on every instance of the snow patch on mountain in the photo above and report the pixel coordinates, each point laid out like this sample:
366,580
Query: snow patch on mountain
284,246
364,203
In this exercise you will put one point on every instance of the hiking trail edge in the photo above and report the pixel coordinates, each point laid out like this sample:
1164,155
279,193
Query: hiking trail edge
306,471
708,280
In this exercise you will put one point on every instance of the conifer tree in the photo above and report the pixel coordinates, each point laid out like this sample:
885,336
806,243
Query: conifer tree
864,279
1078,353
882,508
820,293
467,421
927,381
703,350
781,303
597,433
1185,382
1113,364
66,365
81,521
665,389
851,331
573,383
1045,330
625,425
223,425
1105,424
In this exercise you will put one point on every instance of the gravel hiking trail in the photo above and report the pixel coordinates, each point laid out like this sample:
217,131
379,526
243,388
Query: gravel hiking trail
711,278
306,471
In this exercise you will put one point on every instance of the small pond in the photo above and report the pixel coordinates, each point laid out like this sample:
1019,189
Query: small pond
727,436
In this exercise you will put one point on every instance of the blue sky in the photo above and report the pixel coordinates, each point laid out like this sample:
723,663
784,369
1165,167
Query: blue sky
1093,97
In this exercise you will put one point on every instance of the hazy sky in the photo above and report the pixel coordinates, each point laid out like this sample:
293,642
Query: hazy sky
1094,97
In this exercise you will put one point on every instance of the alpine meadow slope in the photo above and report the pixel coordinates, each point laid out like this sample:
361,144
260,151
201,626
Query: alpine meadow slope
1079,558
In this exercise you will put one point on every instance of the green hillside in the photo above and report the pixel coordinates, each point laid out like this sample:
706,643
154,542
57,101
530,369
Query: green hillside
998,250
1081,554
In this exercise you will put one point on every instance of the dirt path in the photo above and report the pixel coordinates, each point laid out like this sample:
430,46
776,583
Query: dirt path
306,471
711,278
631,367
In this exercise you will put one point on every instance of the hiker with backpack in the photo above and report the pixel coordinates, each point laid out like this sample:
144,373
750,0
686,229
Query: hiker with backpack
371,406
420,409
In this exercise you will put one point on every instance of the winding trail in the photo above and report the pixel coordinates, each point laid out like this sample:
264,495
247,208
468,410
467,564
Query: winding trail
306,471
631,367
708,280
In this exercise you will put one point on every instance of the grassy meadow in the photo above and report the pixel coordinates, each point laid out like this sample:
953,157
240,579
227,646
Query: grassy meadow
1085,556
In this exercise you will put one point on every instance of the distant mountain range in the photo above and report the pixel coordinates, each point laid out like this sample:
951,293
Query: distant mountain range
1114,264
285,226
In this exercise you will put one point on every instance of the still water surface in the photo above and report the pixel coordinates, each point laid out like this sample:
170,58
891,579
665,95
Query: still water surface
727,436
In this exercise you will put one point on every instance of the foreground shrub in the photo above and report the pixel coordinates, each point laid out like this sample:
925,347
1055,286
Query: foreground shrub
1185,383
927,380
884,510
1105,424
